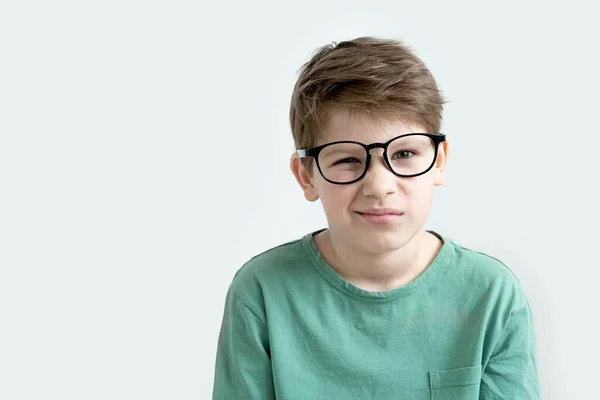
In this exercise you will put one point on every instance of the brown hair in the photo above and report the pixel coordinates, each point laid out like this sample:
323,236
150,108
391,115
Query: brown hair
378,78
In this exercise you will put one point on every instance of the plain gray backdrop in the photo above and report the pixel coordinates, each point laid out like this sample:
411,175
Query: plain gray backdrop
144,149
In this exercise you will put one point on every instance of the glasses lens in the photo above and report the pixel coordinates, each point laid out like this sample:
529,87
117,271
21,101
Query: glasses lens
410,155
342,162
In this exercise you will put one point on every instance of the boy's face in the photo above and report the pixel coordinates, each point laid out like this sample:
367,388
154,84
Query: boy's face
347,206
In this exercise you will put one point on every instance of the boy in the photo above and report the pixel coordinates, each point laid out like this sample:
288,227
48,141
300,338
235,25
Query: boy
373,307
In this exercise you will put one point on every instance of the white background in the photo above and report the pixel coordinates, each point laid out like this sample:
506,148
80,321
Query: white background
144,151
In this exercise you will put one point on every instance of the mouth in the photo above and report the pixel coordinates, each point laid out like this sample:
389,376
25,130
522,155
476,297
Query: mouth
380,211
380,216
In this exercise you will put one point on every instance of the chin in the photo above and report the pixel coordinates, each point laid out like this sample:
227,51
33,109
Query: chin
382,241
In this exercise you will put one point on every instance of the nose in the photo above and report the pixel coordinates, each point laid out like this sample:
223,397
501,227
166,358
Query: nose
379,181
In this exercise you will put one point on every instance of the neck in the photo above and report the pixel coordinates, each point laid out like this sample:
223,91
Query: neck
379,272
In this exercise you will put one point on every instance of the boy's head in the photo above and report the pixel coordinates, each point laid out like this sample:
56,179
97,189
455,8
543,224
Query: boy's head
369,90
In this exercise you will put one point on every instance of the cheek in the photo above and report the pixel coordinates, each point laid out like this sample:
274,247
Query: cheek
336,201
419,195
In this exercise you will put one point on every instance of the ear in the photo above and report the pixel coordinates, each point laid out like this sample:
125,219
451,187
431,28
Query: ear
303,178
440,164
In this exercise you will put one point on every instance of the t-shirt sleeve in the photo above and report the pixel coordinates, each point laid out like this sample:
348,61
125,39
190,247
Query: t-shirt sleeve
243,362
511,372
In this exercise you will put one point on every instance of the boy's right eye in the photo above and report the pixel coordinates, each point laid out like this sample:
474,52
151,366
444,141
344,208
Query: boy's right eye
348,160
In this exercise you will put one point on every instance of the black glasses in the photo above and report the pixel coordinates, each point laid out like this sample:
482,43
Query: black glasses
346,162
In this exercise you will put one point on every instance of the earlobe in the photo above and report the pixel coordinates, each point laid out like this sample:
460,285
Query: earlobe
303,178
311,194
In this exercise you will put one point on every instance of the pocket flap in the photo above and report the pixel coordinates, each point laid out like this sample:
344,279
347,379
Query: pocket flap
455,377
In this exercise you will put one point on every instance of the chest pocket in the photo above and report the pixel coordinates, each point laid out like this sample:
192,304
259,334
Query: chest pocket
455,384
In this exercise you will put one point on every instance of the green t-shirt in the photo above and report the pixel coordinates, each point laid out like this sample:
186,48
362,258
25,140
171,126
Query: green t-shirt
294,329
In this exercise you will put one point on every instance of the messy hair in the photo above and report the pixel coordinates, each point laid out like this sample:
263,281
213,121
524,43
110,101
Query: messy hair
373,77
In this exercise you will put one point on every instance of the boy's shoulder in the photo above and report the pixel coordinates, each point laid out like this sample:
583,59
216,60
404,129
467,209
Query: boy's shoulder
273,264
485,272
272,258
482,263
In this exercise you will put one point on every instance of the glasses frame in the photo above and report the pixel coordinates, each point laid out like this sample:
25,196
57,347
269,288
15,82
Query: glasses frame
314,152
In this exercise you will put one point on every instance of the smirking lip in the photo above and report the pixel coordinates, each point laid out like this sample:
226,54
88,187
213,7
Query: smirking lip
380,218
380,211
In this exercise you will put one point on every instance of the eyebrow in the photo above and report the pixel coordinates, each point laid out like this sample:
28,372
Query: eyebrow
416,139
